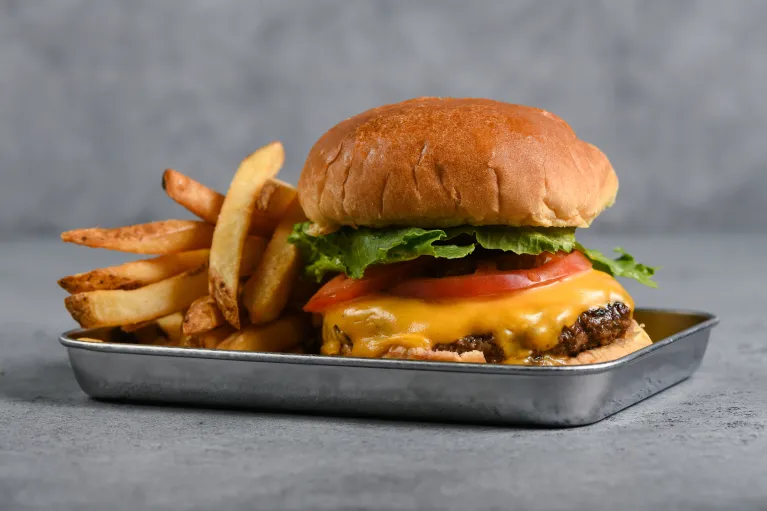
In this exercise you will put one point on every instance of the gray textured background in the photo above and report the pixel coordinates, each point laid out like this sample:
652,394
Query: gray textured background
96,98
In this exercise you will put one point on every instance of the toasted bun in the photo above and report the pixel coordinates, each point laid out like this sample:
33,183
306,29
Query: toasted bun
635,339
440,162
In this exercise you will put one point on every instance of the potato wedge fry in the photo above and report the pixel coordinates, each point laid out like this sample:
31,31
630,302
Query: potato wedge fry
165,237
232,227
212,339
205,203
274,200
186,341
171,326
266,293
202,316
119,307
277,336
136,274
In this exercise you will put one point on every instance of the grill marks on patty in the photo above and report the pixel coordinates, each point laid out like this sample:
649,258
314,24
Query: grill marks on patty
593,329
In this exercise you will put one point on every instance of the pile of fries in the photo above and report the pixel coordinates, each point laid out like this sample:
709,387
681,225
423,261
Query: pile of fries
229,281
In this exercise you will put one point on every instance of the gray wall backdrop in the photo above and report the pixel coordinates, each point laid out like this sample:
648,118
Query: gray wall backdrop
98,97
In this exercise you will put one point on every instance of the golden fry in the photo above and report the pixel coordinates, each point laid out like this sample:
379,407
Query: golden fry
278,336
206,203
266,293
274,200
212,339
165,237
136,274
232,227
171,326
202,316
119,307
252,252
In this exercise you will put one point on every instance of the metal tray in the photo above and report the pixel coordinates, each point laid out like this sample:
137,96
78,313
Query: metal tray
507,394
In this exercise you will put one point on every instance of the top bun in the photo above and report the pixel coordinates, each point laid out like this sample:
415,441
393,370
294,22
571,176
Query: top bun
442,162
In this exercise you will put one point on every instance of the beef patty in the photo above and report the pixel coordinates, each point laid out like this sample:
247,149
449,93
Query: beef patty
593,329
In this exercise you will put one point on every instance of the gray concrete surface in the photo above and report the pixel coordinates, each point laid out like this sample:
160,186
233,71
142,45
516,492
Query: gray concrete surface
700,445
96,98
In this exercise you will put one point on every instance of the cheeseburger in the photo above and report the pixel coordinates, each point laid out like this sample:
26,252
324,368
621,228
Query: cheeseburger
444,229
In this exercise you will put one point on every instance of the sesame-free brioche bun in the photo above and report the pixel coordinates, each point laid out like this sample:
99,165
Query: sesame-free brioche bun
634,340
441,162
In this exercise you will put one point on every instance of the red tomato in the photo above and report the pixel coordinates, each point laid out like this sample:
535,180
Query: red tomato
342,288
486,282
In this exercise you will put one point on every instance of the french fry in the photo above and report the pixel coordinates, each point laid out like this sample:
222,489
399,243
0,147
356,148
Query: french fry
232,227
168,324
136,274
266,293
165,237
277,336
119,307
202,316
252,252
274,200
206,203
212,339
171,326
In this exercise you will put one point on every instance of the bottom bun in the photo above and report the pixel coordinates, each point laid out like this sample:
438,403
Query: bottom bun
635,339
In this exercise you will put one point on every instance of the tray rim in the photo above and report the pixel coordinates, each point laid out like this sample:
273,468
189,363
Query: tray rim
710,321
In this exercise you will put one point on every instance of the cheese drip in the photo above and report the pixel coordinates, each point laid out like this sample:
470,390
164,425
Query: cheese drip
522,322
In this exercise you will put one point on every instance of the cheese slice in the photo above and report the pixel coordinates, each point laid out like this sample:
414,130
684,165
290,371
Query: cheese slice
522,322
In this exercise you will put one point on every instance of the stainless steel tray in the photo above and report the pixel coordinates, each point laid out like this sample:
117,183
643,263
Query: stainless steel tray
508,394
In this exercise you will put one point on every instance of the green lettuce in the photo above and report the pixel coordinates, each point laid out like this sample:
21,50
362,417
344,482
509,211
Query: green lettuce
351,251
520,240
623,266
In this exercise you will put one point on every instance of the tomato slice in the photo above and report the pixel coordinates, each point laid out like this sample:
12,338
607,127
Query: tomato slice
342,288
486,282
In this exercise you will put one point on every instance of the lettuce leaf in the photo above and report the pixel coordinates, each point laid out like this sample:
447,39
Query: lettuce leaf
623,266
351,251
520,240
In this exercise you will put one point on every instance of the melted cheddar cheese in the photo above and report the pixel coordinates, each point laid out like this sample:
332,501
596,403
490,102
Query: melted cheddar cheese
521,322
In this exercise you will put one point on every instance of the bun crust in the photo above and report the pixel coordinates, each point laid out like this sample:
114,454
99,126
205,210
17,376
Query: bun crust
635,339
440,162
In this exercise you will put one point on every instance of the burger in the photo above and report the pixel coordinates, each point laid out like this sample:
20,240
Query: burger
444,229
